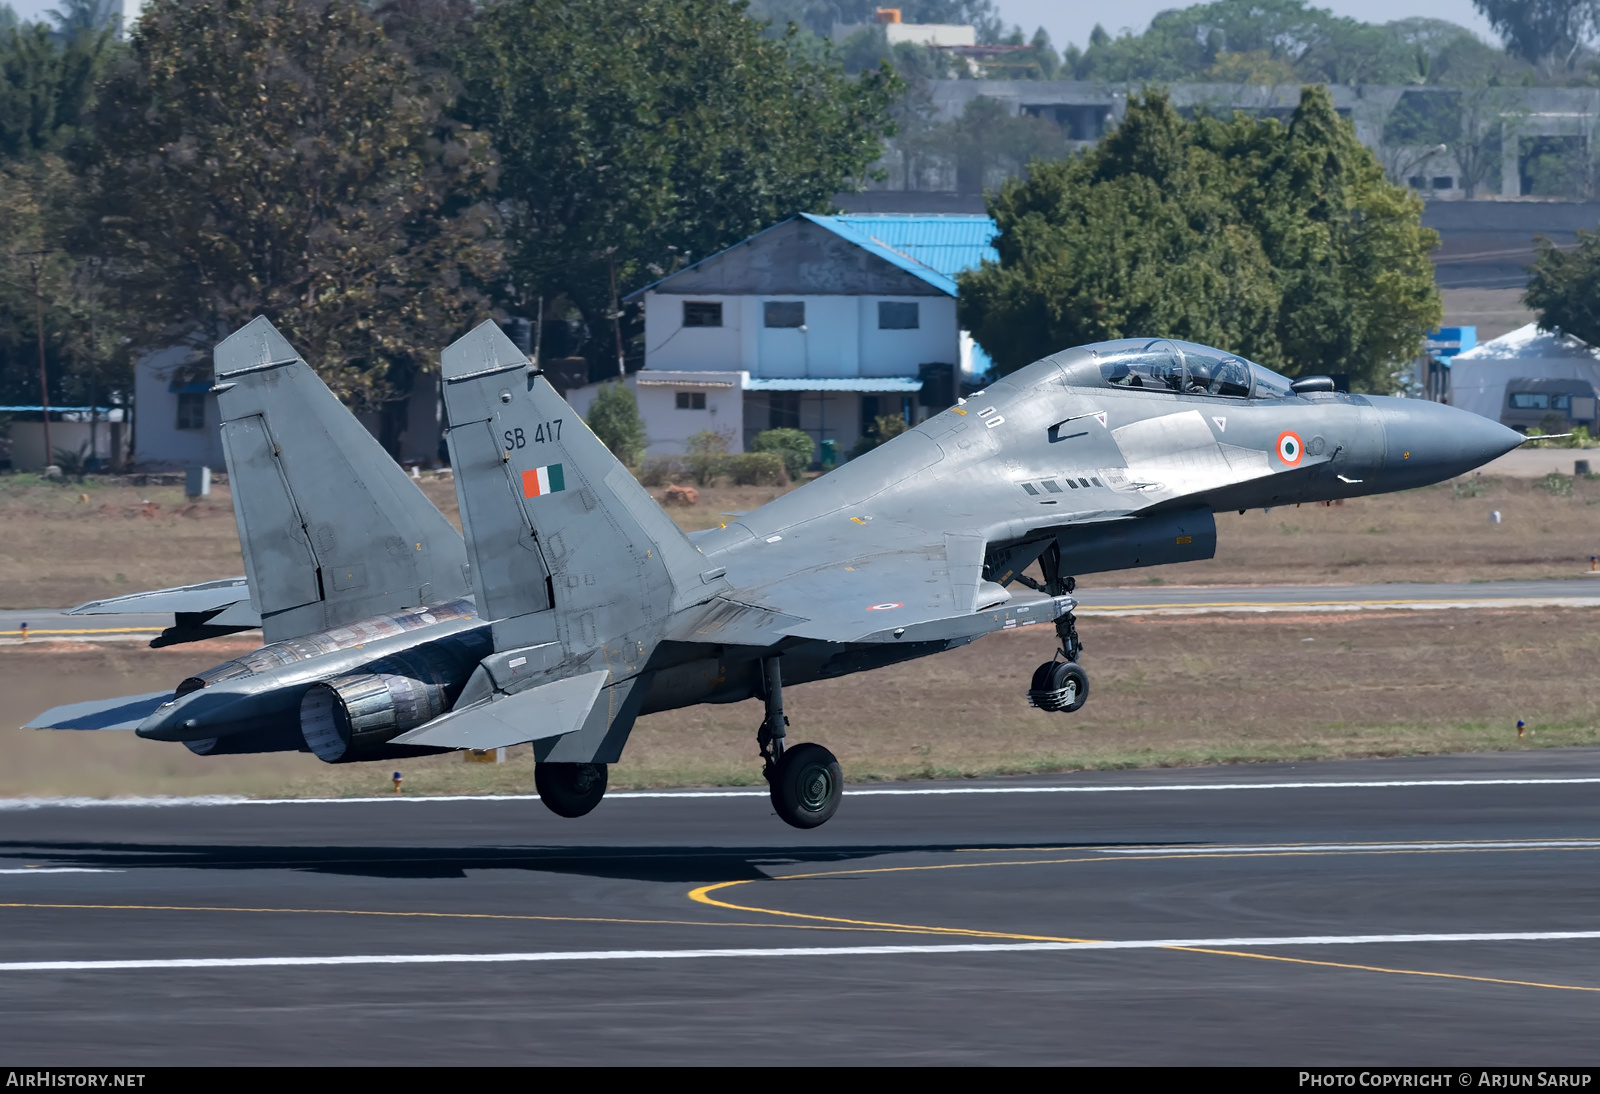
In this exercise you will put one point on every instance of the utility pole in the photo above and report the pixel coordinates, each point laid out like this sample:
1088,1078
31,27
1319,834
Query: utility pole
616,312
36,268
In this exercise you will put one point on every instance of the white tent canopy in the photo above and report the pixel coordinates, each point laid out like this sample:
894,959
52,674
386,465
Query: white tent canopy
1478,377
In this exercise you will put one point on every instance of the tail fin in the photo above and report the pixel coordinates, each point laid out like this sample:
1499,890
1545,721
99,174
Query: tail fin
332,529
561,536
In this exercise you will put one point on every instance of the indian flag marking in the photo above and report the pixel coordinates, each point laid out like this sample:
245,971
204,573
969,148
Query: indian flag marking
543,480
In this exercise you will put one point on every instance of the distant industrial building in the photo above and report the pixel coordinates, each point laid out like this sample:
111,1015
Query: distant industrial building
819,323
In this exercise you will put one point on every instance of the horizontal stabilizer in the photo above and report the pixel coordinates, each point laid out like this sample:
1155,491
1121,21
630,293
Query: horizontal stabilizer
123,713
208,596
549,710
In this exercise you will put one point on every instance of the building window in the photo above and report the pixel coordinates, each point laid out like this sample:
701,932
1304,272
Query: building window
785,313
784,412
701,313
893,315
1444,182
691,400
192,411
1417,182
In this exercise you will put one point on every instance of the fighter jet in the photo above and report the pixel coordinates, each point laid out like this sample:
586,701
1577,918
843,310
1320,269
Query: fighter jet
589,607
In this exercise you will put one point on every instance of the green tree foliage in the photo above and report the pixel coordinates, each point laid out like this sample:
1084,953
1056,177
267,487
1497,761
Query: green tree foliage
630,134
707,456
1285,41
1565,288
47,83
1281,242
614,417
286,158
794,446
755,468
86,359
1548,32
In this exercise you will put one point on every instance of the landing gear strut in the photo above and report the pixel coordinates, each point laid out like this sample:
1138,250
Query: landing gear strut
1060,684
570,790
805,780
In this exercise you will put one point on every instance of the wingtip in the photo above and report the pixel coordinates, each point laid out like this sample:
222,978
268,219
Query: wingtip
482,349
256,343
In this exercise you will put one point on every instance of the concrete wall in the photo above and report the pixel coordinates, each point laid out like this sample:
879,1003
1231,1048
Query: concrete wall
27,442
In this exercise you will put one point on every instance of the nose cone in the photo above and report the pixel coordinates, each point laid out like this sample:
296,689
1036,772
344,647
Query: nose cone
1427,442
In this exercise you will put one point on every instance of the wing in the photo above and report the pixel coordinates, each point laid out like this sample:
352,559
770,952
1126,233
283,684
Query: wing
207,610
209,596
124,713
889,584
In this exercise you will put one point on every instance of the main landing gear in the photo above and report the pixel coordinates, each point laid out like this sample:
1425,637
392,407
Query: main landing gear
1059,684
805,780
570,790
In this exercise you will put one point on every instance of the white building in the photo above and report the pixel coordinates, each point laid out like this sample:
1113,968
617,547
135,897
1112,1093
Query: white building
177,423
819,323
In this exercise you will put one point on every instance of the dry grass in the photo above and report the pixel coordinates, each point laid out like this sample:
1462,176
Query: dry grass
58,550
1167,691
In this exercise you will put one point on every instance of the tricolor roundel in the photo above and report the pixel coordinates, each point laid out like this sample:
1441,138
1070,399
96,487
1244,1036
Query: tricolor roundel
543,480
1290,448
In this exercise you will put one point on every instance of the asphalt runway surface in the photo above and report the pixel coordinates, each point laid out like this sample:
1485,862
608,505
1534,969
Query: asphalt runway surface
1434,911
1579,592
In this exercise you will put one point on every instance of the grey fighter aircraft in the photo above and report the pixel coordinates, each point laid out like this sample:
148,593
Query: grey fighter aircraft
589,607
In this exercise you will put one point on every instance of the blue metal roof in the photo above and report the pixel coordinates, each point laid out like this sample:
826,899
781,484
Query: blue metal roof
949,245
931,247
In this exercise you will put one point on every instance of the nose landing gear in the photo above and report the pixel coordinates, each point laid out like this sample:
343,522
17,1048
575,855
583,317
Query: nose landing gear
1060,684
805,780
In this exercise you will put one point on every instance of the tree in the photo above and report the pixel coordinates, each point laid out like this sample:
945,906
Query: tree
1547,32
1565,288
1281,242
614,417
47,85
794,446
631,133
286,158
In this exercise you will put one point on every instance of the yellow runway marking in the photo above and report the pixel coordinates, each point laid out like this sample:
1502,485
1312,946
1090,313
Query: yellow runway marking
92,630
703,895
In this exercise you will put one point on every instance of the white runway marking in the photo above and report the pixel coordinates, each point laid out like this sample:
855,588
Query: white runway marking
1300,848
784,951
850,791
59,870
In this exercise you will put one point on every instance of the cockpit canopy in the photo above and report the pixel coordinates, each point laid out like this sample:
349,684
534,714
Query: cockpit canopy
1166,364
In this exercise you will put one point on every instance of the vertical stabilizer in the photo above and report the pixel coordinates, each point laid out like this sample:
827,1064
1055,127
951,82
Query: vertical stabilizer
557,528
332,529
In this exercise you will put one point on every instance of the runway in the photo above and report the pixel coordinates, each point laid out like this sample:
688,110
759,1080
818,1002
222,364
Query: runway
1433,911
1580,592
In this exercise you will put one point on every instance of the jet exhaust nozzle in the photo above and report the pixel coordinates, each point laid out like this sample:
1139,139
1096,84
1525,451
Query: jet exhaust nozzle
354,717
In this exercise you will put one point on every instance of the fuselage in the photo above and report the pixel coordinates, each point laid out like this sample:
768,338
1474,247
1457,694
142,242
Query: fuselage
1089,449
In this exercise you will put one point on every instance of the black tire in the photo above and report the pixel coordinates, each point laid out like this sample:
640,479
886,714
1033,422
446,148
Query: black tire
570,790
1071,671
806,786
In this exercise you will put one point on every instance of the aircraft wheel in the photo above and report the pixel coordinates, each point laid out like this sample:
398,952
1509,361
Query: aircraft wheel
570,790
806,785
1059,686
